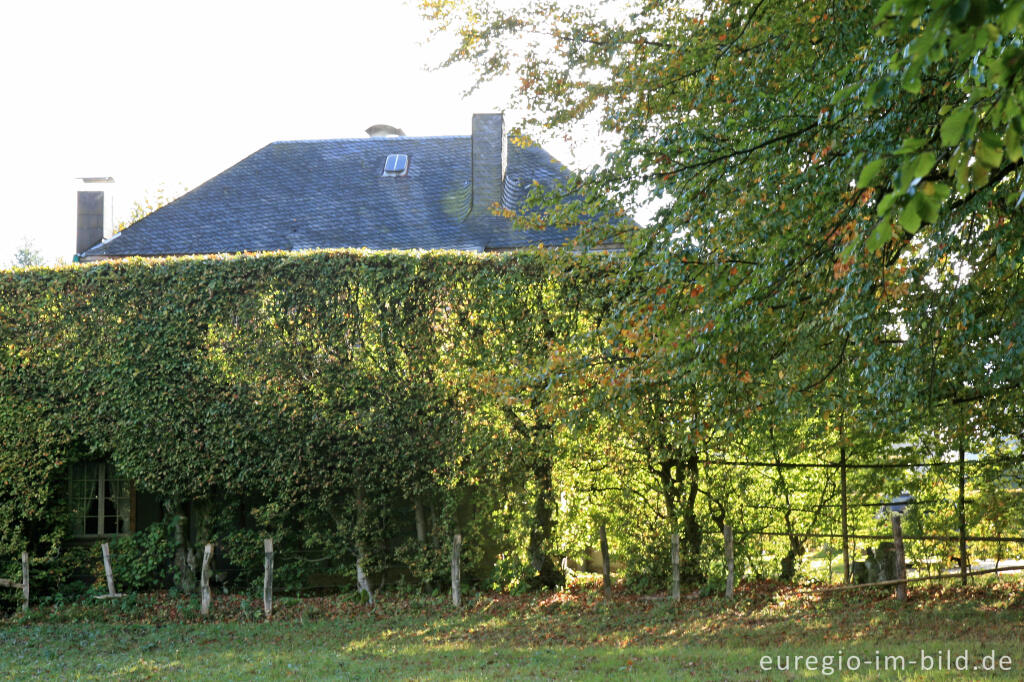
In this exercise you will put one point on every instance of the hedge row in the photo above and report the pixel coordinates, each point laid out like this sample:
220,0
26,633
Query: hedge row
344,400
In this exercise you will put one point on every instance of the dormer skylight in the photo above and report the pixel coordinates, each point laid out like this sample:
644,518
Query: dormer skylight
396,164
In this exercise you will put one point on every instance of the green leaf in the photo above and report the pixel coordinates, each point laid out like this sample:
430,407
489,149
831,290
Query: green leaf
911,145
879,90
923,164
958,10
928,207
952,130
1011,17
880,235
886,203
1011,142
931,195
911,83
884,11
868,173
989,155
959,166
909,218
979,175
976,13
847,251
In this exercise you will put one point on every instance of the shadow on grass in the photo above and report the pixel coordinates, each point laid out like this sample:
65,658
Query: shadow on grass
575,634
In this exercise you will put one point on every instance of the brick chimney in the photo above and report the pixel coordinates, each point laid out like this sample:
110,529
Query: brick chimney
490,157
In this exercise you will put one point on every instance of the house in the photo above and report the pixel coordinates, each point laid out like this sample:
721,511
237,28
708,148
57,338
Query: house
386,191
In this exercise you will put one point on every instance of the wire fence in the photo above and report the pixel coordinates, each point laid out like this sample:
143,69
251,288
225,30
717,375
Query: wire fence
849,534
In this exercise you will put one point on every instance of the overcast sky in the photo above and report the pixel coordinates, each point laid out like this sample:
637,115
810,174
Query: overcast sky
171,93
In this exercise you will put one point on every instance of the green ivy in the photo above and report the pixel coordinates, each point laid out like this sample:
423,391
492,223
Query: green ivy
312,397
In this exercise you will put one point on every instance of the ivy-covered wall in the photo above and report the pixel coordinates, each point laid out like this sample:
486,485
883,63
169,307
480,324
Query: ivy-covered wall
354,405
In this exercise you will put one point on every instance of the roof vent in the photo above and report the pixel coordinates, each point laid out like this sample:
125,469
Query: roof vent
396,164
383,130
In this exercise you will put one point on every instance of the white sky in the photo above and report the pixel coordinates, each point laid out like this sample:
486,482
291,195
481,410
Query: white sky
171,93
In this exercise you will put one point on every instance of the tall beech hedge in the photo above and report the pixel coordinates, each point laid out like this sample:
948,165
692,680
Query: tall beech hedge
340,399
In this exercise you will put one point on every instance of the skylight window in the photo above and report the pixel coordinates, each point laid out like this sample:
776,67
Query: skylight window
396,164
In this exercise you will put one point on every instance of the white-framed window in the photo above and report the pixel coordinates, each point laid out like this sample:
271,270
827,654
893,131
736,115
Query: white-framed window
101,500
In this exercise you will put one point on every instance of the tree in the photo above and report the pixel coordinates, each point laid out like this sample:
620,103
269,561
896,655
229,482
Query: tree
148,203
965,59
27,255
835,190
770,160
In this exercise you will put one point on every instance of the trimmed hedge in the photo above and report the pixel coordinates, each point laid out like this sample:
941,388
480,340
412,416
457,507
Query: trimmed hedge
316,396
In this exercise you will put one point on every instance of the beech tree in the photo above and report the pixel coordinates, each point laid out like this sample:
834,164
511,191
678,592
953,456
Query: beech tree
834,191
837,184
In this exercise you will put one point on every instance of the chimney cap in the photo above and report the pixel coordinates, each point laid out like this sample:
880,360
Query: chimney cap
384,130
93,179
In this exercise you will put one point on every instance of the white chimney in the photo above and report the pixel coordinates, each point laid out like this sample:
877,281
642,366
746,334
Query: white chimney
490,157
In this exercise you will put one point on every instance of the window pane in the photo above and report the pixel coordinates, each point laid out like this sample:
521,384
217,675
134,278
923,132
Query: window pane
100,500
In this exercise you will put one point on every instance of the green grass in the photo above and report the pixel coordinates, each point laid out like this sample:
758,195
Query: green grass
572,635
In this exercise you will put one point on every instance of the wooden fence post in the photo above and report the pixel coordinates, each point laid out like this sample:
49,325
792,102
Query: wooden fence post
900,559
675,567
457,569
24,581
844,510
108,569
730,576
962,518
204,580
606,562
268,576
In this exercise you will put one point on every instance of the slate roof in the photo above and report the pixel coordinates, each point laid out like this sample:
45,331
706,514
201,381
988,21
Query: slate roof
332,194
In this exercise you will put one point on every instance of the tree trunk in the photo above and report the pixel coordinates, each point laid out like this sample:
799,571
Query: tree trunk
796,550
787,572
693,537
421,523
362,581
606,568
184,553
202,514
730,564
675,567
542,529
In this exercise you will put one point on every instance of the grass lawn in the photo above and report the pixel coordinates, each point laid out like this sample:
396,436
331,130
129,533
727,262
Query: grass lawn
575,634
